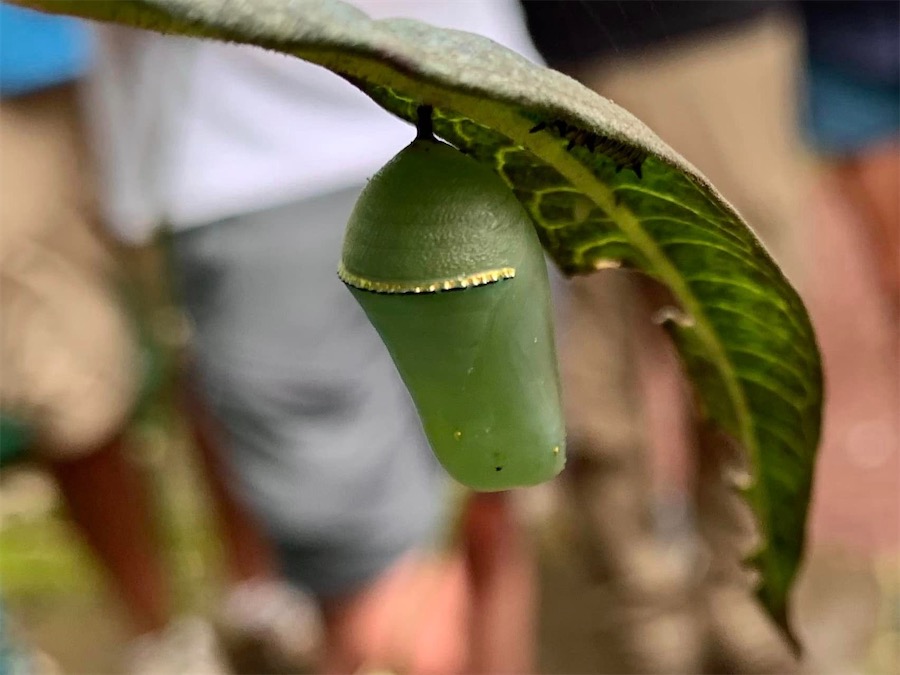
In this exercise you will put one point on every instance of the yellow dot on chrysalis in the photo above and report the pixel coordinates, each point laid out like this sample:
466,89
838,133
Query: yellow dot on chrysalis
556,450
457,435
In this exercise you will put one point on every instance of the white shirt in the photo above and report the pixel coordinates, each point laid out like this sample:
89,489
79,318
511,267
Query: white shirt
190,131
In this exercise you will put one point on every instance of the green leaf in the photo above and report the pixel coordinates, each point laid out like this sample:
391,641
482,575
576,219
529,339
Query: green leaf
743,333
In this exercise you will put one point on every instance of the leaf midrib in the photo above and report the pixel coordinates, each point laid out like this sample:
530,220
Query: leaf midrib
589,184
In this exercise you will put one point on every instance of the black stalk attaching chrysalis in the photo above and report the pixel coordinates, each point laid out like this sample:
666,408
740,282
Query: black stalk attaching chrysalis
424,123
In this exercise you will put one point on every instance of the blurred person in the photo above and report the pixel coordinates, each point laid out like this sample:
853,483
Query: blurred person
852,116
716,81
70,359
254,161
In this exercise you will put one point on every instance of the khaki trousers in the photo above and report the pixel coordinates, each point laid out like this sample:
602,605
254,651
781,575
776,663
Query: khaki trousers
68,360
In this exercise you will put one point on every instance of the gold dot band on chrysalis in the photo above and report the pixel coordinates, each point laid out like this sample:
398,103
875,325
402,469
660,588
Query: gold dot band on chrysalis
403,287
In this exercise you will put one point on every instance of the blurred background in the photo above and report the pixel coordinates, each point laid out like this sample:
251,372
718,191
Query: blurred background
171,217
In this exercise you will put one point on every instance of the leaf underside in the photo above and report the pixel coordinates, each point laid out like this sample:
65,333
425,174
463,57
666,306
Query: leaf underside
602,189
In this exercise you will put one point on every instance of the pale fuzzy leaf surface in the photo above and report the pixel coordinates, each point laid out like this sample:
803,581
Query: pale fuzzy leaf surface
745,337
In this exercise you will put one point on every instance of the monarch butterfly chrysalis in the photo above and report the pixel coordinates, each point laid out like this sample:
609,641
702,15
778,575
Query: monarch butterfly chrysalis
446,264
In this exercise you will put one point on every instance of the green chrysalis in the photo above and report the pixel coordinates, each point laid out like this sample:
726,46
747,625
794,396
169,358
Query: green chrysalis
446,264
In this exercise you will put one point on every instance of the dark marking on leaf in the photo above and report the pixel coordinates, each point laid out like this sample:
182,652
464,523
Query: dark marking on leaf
625,155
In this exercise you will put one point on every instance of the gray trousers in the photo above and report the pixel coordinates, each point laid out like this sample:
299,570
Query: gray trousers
320,432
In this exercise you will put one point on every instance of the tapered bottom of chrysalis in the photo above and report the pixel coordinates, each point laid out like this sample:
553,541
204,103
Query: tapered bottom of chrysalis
480,365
